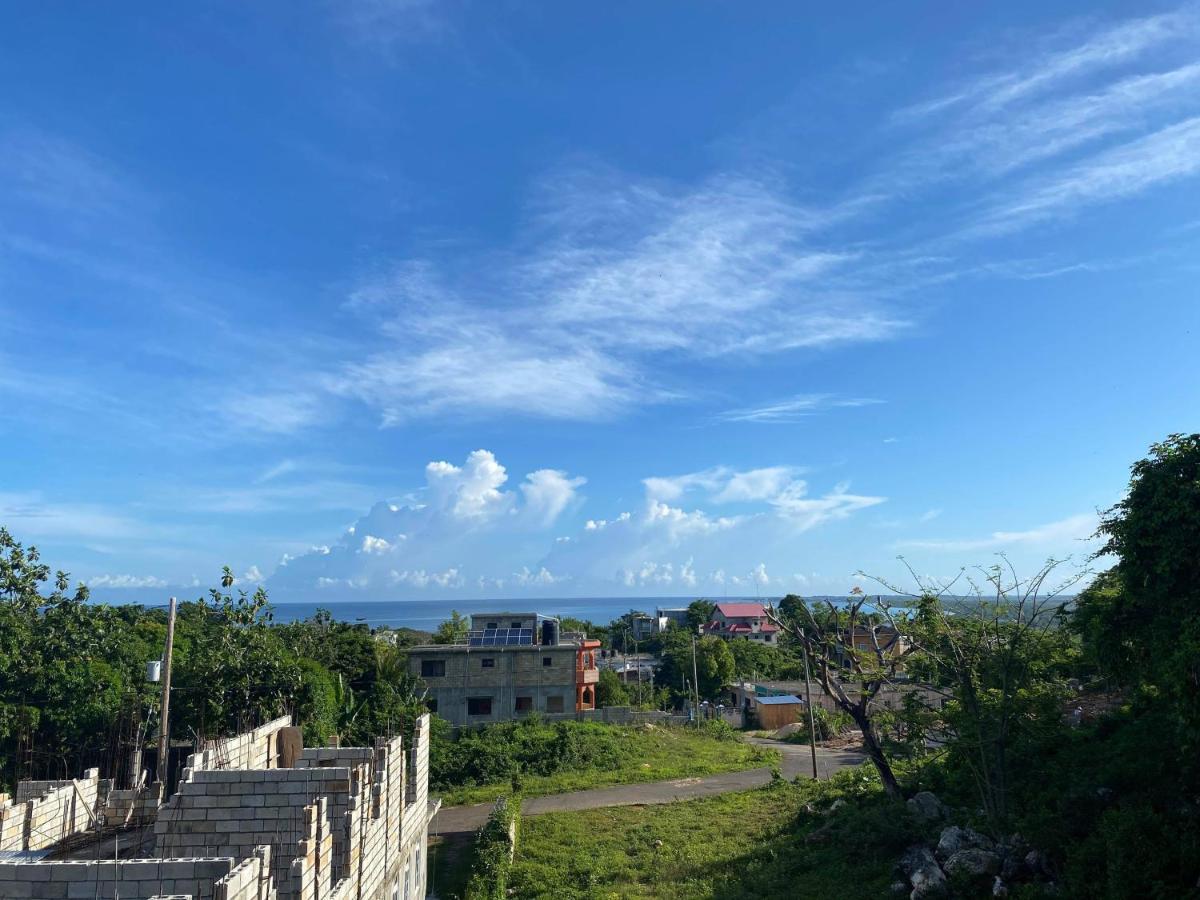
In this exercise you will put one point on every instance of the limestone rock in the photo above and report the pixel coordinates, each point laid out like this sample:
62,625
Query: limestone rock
924,874
954,839
926,806
974,863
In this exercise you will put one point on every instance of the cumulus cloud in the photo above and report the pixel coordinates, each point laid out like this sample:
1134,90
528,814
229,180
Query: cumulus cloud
547,493
467,531
464,513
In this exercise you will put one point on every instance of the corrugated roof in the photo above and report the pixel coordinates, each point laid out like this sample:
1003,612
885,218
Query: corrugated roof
740,610
778,701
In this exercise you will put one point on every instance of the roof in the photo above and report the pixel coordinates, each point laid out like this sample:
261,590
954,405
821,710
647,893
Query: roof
741,610
781,700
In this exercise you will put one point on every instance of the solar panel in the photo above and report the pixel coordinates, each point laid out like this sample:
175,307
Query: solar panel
500,637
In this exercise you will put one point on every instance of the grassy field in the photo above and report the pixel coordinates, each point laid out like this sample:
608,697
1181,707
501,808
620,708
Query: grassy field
777,841
638,754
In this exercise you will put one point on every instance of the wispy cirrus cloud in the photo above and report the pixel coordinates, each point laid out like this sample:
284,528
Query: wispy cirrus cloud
615,279
1050,66
1165,156
794,409
121,582
1064,534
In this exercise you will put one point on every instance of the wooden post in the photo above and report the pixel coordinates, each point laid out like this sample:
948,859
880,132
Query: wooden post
164,725
812,728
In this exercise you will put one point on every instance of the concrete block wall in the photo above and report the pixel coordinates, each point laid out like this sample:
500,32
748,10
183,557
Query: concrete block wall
129,879
47,812
12,823
249,880
257,749
137,806
229,812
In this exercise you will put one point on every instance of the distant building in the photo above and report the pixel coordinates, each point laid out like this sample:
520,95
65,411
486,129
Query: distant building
665,617
510,665
742,620
642,627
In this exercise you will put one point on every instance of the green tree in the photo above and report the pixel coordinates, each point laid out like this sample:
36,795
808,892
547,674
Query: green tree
610,690
452,630
700,613
714,664
1141,620
851,676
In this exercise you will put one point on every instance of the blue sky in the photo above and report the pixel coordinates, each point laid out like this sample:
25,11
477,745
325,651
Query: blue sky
398,299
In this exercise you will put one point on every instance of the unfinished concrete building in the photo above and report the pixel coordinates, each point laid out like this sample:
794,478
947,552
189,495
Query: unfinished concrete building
508,666
256,817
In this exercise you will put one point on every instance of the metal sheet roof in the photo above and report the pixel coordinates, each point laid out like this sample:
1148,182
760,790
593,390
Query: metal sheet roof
778,701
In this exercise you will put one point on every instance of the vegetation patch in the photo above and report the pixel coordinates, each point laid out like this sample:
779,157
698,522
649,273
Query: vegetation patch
494,850
777,841
535,758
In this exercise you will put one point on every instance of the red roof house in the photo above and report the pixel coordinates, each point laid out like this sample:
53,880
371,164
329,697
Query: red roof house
742,620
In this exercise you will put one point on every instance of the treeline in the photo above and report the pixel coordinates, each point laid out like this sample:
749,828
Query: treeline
73,688
1069,724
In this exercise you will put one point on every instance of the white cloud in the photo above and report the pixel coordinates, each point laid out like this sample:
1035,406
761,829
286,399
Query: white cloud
613,275
1064,534
472,491
756,484
29,516
1157,159
465,532
273,413
526,578
547,493
281,468
450,578
807,512
372,544
794,409
1051,68
251,576
125,581
776,486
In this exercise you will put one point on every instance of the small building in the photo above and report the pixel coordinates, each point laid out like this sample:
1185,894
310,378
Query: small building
742,620
667,616
642,626
510,665
775,712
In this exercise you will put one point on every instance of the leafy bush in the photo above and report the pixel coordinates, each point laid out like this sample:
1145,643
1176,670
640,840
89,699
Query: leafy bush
494,849
496,753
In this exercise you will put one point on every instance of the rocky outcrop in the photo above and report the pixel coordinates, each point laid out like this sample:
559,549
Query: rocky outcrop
964,855
927,807
973,863
923,872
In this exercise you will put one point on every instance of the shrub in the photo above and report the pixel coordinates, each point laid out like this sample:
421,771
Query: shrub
494,851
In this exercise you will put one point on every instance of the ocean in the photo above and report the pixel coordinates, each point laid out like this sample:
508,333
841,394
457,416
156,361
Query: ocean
426,615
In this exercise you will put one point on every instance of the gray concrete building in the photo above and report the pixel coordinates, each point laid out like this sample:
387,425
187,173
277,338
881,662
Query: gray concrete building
510,665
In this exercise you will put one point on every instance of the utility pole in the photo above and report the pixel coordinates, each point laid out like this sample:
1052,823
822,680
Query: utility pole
164,724
812,728
695,681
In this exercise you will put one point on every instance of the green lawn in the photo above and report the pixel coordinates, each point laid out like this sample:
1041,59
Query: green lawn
744,845
638,754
